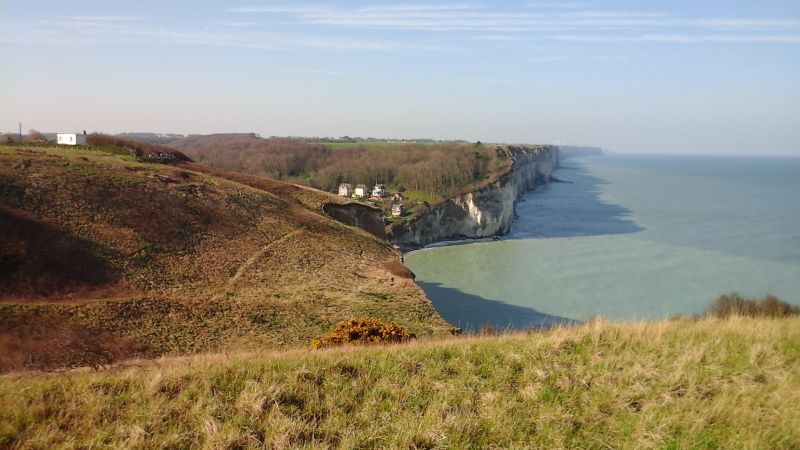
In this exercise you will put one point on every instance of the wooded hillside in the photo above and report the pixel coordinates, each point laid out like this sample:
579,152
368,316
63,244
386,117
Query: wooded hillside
437,170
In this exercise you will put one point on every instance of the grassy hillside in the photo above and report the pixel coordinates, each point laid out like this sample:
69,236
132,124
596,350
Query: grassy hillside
709,383
104,257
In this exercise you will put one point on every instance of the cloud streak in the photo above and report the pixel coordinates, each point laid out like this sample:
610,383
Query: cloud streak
81,31
537,17
679,38
316,71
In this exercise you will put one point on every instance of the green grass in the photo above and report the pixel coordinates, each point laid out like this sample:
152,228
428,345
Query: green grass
418,196
708,383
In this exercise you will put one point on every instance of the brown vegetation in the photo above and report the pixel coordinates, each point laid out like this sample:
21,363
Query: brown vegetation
35,341
736,305
39,260
363,331
437,170
137,147
34,135
180,259
397,268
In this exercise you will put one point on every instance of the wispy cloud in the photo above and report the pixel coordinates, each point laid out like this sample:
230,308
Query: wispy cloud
104,18
502,38
678,38
556,5
237,24
548,59
425,7
316,71
309,9
535,17
353,28
81,31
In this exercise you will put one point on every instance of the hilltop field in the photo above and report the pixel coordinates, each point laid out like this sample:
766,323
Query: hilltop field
105,256
710,383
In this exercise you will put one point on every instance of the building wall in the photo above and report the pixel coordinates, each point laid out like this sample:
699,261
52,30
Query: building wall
70,139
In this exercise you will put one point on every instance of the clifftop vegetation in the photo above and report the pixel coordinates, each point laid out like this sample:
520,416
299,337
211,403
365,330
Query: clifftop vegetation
435,170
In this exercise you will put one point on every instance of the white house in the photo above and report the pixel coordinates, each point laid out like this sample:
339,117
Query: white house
361,191
380,191
398,210
346,189
70,139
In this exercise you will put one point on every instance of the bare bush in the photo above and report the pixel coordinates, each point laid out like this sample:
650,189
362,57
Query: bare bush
736,305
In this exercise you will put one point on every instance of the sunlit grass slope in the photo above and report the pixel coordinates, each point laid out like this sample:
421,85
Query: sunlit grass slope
709,383
104,257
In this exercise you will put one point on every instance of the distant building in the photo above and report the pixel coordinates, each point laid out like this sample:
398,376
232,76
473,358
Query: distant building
398,210
380,191
161,155
398,197
361,191
346,190
70,139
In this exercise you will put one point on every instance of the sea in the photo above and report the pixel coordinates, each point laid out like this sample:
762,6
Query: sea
627,238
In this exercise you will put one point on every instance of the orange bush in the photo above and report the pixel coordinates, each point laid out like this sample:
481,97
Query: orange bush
363,331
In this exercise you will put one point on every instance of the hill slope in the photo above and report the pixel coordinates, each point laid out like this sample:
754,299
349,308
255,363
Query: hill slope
677,384
103,257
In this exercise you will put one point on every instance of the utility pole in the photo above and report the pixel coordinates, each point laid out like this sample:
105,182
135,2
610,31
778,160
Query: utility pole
20,131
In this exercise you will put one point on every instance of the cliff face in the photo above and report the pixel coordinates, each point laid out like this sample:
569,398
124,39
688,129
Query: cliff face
358,215
488,211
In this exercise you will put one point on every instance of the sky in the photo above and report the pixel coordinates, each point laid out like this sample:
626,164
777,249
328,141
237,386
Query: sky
677,76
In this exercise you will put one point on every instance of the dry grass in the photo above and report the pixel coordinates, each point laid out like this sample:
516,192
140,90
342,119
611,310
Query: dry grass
707,383
172,260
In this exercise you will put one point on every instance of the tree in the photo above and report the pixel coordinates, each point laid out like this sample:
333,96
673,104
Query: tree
34,135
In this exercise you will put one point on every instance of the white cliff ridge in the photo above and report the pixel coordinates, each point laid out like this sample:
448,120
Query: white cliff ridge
488,211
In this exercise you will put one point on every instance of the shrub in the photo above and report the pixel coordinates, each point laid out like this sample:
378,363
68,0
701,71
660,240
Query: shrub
363,331
137,147
34,135
736,305
397,268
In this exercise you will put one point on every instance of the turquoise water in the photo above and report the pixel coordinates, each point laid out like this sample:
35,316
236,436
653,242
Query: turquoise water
632,237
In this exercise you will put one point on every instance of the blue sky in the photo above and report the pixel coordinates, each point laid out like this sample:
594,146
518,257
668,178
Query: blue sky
633,76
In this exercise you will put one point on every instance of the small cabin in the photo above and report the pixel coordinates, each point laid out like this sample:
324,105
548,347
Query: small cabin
70,139
380,191
398,197
398,210
346,190
361,191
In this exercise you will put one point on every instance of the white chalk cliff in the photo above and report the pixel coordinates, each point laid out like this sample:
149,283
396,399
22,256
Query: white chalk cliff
488,211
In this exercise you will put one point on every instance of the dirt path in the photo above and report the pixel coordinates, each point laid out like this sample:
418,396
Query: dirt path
255,256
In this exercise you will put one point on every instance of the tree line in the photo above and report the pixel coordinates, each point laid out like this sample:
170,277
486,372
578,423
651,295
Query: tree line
439,170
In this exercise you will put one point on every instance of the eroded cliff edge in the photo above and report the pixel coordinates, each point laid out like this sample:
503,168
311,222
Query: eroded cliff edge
485,212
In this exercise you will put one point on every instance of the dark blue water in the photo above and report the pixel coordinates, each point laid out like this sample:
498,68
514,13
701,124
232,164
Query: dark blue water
631,237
